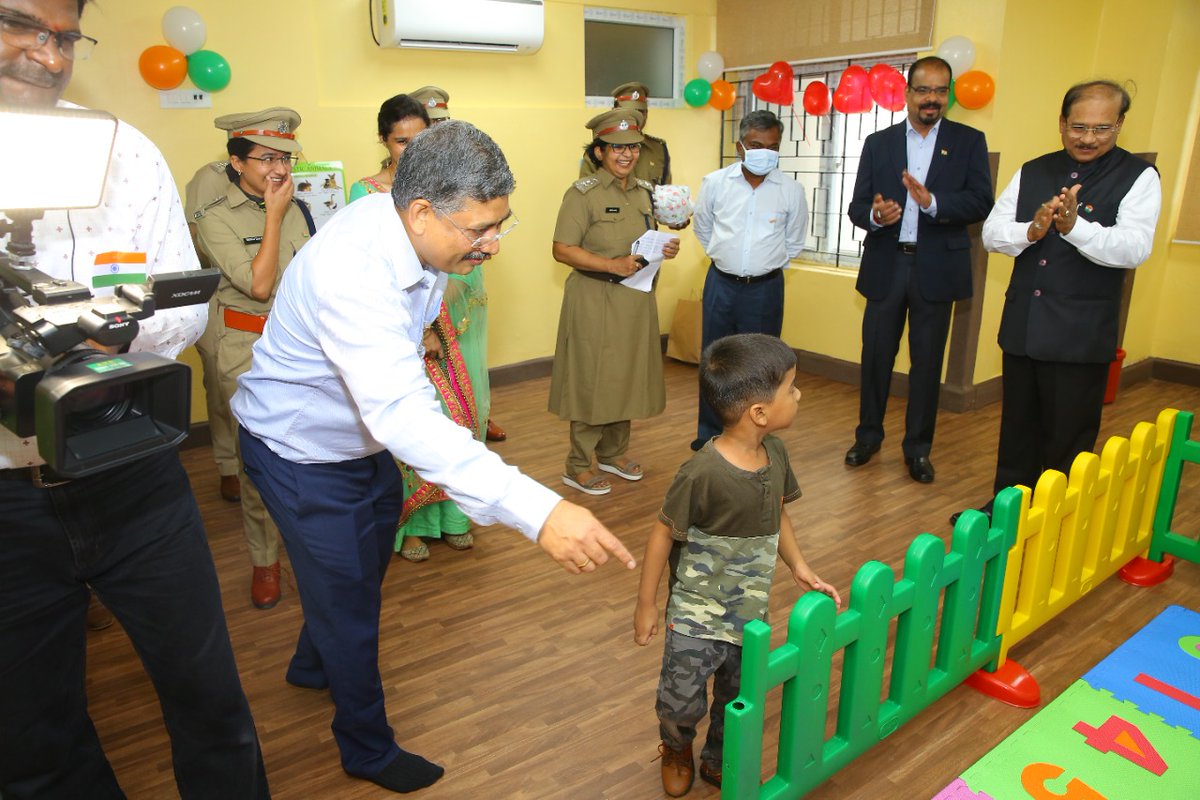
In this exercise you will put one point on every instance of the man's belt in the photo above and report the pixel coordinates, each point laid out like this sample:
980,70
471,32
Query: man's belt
241,321
908,248
40,476
748,279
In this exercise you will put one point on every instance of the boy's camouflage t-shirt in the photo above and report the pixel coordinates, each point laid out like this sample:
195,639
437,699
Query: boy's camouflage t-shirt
725,521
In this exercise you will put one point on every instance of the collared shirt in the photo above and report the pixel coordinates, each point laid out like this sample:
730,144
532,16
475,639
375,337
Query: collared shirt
750,231
140,214
920,154
1123,246
338,373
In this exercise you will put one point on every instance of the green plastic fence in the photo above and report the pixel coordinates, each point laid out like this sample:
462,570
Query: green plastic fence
972,577
1183,449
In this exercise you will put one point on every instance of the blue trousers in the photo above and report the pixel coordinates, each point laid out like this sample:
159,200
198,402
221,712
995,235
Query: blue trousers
133,533
338,523
729,308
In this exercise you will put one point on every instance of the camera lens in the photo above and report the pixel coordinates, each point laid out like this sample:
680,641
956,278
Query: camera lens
92,407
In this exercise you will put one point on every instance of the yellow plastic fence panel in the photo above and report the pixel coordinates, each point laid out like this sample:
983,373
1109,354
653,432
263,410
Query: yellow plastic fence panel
1075,532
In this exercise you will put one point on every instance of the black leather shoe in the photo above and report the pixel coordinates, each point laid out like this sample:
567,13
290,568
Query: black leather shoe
985,509
920,468
860,453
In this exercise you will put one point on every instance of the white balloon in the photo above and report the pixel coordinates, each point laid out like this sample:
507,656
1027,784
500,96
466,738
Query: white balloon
710,66
183,29
958,52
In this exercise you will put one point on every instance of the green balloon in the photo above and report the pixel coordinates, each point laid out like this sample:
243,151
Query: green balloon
697,92
950,102
208,70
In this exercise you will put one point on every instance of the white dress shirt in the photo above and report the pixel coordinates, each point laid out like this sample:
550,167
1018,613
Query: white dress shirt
750,231
139,213
338,373
1123,245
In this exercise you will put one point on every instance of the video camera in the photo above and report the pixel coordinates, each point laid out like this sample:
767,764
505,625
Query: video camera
90,410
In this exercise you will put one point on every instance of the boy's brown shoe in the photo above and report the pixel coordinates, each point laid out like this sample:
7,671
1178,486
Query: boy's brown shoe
710,774
678,769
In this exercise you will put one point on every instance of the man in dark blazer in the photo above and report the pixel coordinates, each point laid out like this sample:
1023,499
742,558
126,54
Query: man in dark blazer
920,183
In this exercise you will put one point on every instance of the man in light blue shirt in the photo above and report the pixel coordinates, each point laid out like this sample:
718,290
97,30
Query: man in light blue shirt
751,220
337,388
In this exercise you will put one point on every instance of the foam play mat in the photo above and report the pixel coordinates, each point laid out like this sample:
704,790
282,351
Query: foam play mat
1129,728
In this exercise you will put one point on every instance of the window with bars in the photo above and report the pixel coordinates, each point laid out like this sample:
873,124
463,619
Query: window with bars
822,153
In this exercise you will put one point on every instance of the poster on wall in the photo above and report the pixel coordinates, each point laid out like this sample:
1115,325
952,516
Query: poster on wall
322,185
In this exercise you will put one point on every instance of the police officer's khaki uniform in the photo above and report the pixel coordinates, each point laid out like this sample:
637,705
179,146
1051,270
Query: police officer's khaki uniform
230,233
607,360
207,188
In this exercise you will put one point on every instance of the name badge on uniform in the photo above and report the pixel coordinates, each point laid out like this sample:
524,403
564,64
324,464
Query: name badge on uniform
113,268
251,240
613,210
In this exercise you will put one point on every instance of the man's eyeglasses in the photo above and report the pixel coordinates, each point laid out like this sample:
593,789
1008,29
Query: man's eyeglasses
478,238
1079,131
925,91
271,161
28,35
636,147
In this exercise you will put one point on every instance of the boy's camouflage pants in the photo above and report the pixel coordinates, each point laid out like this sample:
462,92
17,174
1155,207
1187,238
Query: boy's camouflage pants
682,691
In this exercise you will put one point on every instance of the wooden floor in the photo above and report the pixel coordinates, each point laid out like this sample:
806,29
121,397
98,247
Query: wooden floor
524,681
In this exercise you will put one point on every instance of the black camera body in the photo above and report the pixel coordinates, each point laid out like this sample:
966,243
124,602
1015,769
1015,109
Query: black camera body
91,410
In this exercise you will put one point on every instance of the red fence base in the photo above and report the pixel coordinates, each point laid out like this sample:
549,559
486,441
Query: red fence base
1144,572
1011,684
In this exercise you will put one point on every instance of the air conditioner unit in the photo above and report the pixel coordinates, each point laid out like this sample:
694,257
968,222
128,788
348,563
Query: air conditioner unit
495,26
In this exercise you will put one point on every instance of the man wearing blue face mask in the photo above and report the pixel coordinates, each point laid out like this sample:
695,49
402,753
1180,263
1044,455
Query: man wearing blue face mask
920,183
751,220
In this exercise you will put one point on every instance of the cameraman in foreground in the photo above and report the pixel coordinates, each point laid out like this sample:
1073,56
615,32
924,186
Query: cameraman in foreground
132,533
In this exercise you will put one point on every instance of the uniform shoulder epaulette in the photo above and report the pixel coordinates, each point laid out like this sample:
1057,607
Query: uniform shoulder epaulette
645,184
585,185
654,138
202,210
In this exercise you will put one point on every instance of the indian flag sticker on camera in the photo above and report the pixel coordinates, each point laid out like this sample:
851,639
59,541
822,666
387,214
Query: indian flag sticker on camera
113,268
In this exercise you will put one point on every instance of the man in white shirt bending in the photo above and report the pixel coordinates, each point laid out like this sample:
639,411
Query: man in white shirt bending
338,388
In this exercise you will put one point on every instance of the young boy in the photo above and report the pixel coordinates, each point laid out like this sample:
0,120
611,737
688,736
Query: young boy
720,527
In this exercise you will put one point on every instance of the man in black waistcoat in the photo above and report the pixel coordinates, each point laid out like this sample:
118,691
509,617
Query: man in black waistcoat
920,183
1075,220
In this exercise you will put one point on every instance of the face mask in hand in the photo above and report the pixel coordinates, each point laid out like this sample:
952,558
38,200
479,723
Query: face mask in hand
760,161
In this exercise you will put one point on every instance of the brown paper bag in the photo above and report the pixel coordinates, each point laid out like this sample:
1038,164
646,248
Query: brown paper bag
683,342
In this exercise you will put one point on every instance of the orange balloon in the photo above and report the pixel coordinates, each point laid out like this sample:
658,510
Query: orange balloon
162,67
974,89
723,95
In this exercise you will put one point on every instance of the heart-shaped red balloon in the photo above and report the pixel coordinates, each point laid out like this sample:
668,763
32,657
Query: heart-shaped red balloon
775,85
887,87
853,93
816,99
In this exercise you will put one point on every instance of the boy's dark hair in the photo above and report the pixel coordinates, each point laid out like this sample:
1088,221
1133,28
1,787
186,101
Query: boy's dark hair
740,370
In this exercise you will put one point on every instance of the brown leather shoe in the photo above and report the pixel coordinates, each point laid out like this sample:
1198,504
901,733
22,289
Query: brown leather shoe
98,617
495,433
709,774
264,589
231,488
678,769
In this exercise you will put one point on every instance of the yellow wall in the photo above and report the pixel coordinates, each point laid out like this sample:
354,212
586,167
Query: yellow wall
318,57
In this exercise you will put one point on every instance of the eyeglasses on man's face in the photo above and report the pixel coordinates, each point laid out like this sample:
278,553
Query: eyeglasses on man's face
26,34
1078,130
271,160
481,238
925,91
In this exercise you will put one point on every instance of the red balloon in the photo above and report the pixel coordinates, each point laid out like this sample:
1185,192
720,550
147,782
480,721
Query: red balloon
162,67
853,93
816,99
887,86
775,85
974,89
